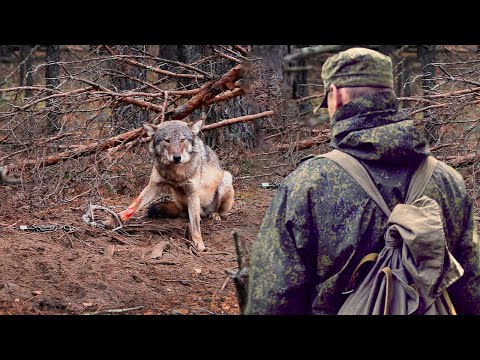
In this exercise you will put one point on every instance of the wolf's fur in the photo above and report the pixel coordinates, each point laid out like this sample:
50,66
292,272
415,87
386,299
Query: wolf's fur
183,163
7,180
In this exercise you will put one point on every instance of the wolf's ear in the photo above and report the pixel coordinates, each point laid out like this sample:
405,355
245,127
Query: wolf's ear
197,127
150,129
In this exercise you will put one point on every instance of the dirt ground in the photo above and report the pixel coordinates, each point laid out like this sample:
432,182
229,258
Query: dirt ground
89,270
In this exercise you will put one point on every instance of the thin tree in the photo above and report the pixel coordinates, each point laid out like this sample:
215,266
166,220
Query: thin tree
27,59
52,71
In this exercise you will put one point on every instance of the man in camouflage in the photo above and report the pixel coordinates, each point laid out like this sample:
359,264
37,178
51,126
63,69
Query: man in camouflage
320,222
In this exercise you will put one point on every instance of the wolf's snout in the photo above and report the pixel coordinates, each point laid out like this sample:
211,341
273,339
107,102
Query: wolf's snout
177,158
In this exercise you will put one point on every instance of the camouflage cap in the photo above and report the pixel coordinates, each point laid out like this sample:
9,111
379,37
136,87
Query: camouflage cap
357,67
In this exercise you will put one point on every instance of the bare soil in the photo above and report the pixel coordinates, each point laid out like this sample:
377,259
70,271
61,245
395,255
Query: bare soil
91,270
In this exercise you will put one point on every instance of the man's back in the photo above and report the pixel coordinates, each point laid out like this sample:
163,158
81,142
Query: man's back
321,222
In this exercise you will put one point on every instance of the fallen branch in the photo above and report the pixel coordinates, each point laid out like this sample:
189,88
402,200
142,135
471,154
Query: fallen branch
228,57
214,253
427,108
306,98
207,92
253,176
459,160
241,49
114,311
85,150
305,144
142,104
230,94
438,147
73,92
238,120
20,88
160,262
436,106
224,285
453,93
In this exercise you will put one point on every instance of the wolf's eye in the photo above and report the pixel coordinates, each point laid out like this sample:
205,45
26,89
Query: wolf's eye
167,141
182,140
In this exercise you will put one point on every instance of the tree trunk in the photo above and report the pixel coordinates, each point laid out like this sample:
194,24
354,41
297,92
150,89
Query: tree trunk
240,134
426,55
277,84
168,52
6,52
126,117
27,61
403,71
52,71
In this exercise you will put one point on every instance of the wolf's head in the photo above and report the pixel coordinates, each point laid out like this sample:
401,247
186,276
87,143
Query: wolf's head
172,141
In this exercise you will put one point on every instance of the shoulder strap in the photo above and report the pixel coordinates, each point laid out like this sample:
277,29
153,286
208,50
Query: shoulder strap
420,179
360,174
415,189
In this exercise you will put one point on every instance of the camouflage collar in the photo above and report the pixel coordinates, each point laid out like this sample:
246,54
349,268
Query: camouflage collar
366,112
371,104
372,128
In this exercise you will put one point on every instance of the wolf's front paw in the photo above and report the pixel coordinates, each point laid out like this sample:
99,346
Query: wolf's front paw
198,242
215,217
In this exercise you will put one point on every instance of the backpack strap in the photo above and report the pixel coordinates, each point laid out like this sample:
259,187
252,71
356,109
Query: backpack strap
420,179
417,185
450,306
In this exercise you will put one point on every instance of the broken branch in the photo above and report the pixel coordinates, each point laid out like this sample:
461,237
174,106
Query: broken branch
207,92
114,311
238,120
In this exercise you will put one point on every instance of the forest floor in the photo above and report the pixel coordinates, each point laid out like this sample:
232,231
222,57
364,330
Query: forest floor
88,270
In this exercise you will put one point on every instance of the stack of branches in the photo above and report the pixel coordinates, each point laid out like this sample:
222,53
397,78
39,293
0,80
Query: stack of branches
81,133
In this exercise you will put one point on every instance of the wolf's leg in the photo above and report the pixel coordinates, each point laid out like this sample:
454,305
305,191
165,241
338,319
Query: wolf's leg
147,195
227,195
194,217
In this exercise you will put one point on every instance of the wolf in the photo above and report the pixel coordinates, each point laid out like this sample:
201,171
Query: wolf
4,179
191,171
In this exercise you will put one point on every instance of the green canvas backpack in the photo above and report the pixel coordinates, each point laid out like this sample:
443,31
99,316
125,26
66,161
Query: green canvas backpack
412,272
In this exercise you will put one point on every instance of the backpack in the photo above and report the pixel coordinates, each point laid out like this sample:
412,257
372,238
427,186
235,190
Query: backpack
412,272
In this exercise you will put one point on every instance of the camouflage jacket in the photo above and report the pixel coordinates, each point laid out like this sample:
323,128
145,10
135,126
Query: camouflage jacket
320,222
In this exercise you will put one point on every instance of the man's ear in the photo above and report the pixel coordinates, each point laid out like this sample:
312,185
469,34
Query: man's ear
196,127
336,96
150,129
